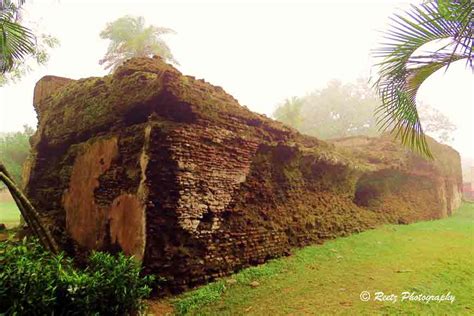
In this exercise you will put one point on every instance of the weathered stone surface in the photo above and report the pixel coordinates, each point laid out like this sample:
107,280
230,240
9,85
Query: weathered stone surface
174,171
427,189
45,88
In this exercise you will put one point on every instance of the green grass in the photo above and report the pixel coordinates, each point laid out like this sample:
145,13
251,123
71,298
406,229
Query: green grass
9,214
431,258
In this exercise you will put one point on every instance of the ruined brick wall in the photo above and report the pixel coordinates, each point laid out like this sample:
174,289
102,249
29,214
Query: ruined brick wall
174,171
406,187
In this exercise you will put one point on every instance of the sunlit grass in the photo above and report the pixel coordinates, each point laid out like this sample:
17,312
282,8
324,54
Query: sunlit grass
9,214
432,258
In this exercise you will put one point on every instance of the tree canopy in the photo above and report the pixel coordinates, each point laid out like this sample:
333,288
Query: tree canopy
20,49
342,110
339,110
16,41
14,149
130,37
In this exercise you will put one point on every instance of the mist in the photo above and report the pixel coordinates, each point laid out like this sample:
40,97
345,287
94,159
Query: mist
229,157
260,52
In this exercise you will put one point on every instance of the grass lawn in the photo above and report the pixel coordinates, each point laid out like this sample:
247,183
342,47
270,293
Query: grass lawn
430,258
9,214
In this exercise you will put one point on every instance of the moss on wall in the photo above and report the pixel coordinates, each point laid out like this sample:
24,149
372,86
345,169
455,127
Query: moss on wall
199,186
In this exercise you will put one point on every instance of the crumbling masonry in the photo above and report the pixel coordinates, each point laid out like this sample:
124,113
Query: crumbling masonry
174,171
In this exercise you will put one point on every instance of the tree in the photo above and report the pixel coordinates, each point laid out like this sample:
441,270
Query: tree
40,56
14,150
17,43
444,24
339,110
436,124
20,48
289,112
129,37
342,110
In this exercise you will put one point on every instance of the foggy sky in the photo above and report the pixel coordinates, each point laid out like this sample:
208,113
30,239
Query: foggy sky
261,52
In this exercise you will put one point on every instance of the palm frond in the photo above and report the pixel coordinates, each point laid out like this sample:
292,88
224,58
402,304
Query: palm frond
16,42
403,70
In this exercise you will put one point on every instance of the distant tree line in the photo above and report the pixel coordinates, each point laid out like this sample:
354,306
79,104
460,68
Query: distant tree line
342,110
14,149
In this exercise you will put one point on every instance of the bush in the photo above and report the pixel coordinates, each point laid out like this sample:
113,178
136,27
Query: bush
34,282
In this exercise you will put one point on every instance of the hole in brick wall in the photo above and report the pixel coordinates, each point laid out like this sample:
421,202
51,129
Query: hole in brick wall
137,114
206,221
226,215
290,233
365,196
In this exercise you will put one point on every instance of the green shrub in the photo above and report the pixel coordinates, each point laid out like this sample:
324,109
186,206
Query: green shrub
34,282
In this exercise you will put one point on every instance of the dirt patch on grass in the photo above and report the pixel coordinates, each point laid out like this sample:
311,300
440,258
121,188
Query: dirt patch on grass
159,308
5,196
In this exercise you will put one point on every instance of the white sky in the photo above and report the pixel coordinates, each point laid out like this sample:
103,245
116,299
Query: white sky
261,52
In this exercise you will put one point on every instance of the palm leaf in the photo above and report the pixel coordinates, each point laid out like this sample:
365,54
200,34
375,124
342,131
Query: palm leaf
16,42
402,71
